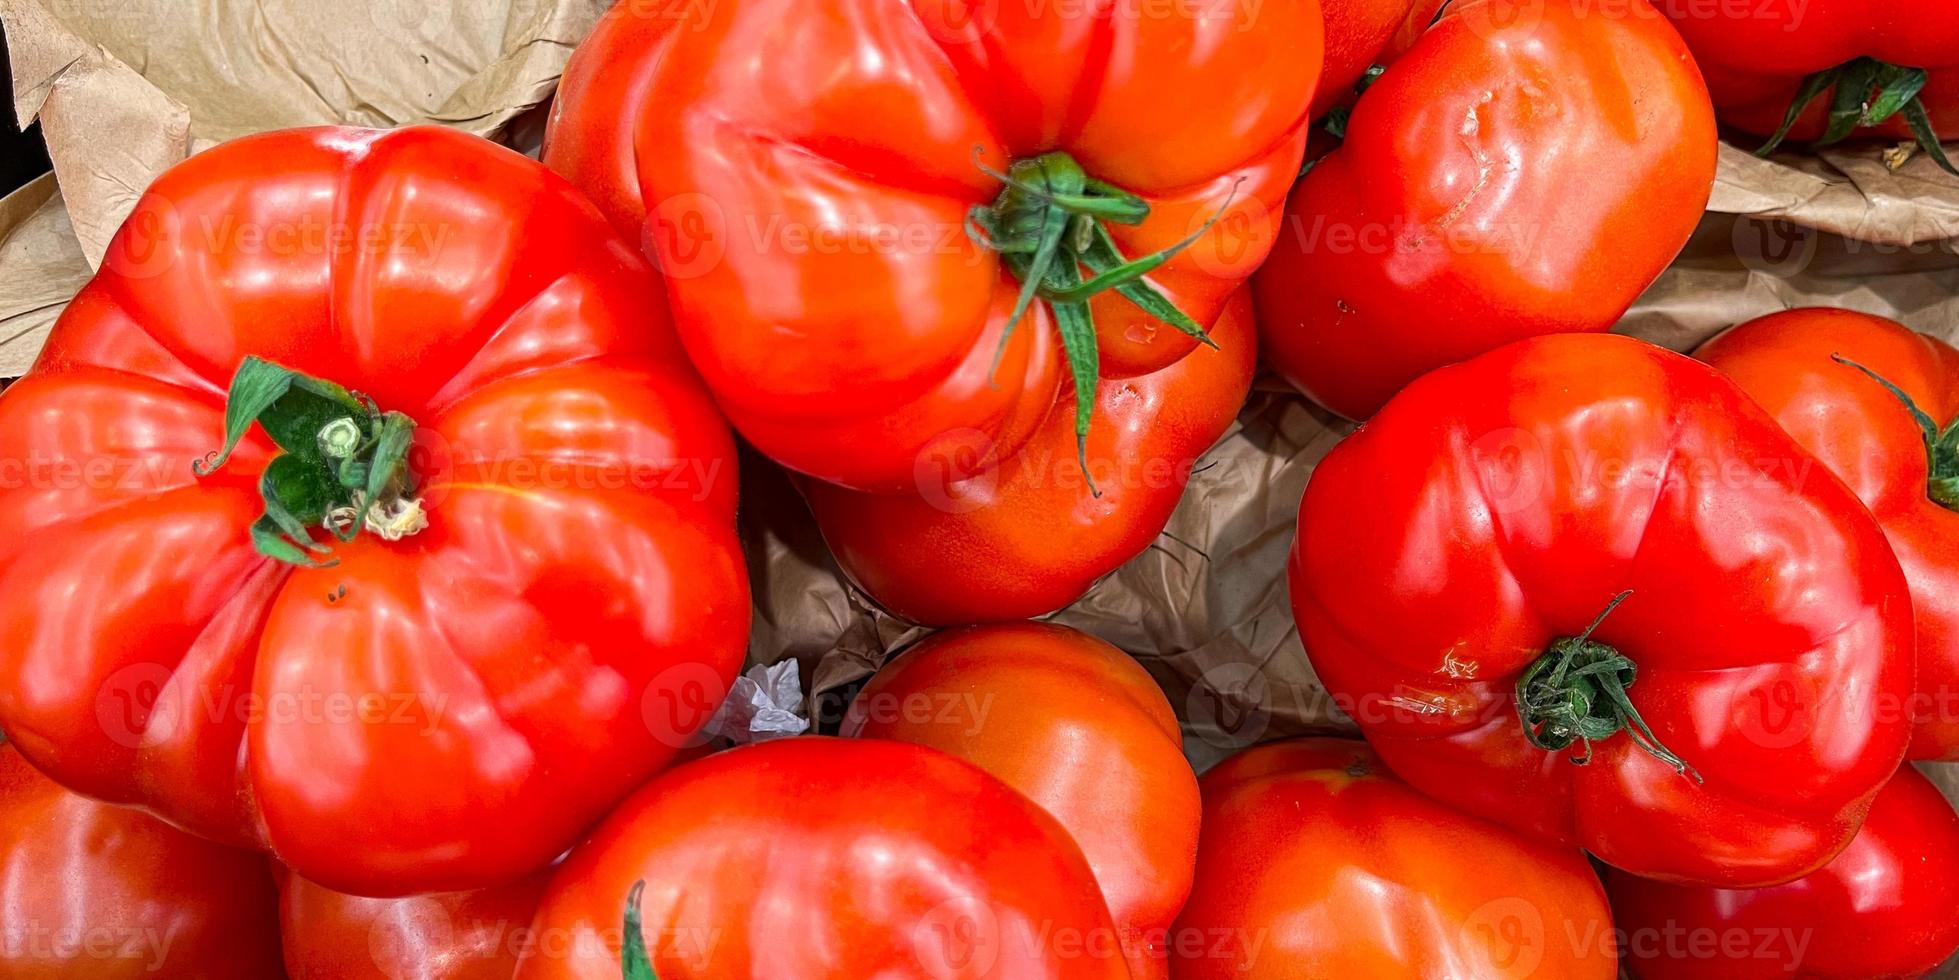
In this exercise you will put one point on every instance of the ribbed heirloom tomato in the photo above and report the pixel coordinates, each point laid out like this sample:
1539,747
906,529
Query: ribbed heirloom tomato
1826,70
471,935
1882,909
1528,167
1081,729
825,859
411,634
90,891
1587,549
1317,863
854,200
1879,405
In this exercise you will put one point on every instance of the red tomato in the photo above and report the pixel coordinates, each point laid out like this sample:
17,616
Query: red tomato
473,935
99,892
1883,910
1585,548
1078,727
1872,439
1759,55
1527,168
442,711
1361,34
828,859
819,181
1316,863
1031,536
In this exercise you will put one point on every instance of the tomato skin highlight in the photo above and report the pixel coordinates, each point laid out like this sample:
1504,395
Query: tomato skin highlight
474,935
1882,909
1078,727
1500,505
1525,168
830,859
442,712
822,273
1031,536
1866,435
100,892
1315,862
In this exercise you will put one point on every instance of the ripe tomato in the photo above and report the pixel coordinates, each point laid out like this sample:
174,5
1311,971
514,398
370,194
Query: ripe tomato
1528,167
821,183
1584,548
1032,535
1361,34
1316,863
1882,909
1769,66
1078,727
1899,451
399,711
99,892
827,859
473,935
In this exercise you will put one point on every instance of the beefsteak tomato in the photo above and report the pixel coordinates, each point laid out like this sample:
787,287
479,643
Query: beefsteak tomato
472,935
1585,548
1528,167
1317,863
856,201
99,892
1891,69
1878,404
825,859
1031,535
1882,909
1079,728
405,712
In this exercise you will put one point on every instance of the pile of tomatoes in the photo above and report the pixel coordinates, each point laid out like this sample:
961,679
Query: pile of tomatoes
370,565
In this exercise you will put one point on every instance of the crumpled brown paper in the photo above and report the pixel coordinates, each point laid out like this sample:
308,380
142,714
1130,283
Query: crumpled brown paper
41,268
1847,190
126,88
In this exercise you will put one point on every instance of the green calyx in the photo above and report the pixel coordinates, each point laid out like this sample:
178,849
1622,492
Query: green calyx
1865,92
1941,445
343,465
1049,223
1576,694
634,963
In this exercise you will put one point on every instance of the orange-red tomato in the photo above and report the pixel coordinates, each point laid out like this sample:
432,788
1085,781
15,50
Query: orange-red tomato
443,711
805,174
828,859
1031,536
1868,436
1078,727
90,891
1882,910
1361,34
473,935
1317,863
1528,167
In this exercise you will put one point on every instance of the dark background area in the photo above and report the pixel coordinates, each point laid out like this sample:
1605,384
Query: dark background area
23,157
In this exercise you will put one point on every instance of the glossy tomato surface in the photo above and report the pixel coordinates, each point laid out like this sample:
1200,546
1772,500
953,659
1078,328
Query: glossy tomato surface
1452,552
805,173
90,891
1756,56
1032,535
1316,862
1867,435
443,711
472,935
1528,167
829,859
1078,727
1361,34
1882,910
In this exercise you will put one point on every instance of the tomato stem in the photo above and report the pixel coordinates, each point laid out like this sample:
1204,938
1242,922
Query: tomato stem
1577,693
1048,224
634,963
1941,446
1867,92
344,465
